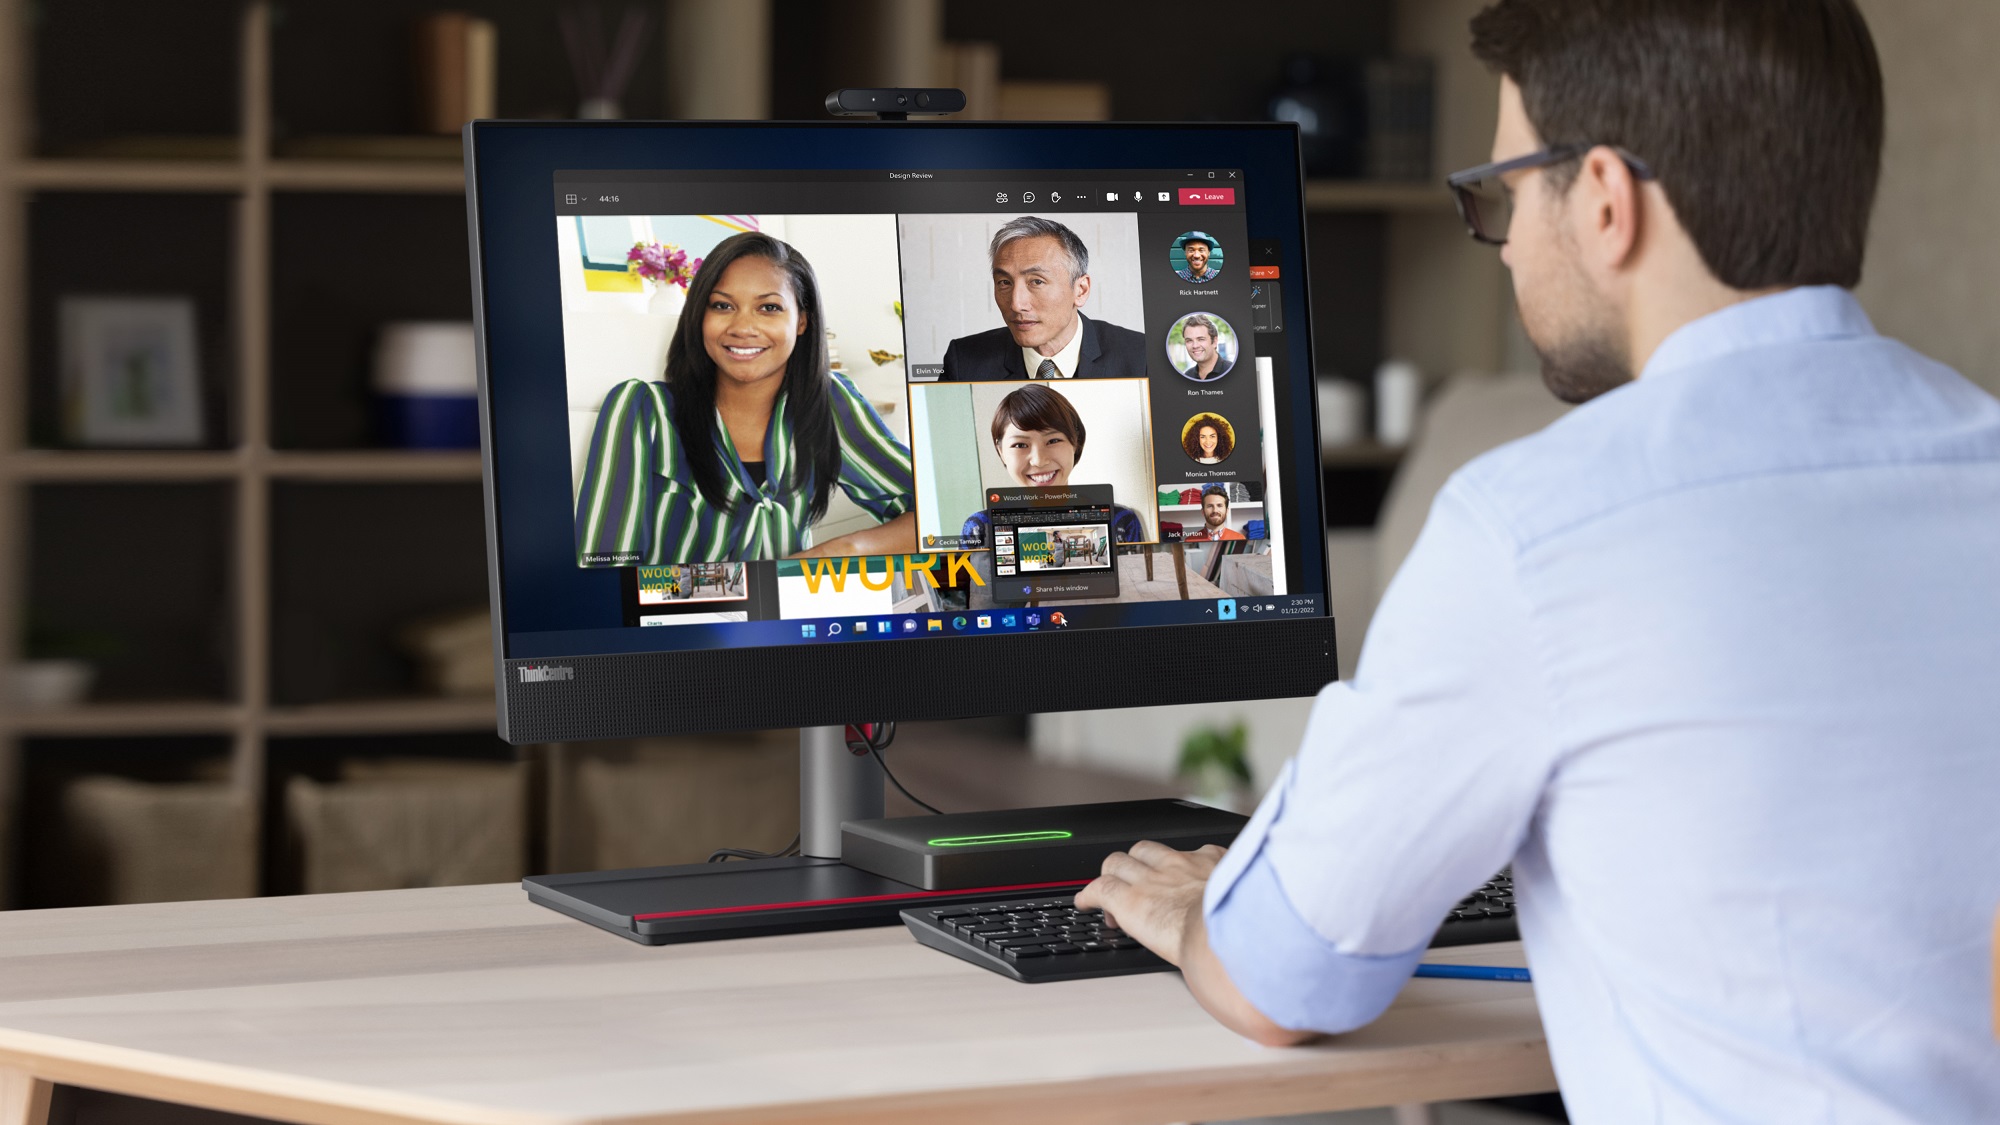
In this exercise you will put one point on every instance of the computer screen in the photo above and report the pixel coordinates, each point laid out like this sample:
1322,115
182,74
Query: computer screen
791,424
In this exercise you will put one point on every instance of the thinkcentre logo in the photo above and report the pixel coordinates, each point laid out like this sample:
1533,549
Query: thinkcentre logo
546,673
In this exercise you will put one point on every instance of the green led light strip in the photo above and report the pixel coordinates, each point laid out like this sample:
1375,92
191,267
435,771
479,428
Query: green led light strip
1002,838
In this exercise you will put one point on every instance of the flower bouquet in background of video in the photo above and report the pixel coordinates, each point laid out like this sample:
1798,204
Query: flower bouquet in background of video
670,270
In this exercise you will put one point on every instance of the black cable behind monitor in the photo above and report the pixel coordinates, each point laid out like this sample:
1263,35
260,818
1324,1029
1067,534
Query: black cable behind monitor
862,738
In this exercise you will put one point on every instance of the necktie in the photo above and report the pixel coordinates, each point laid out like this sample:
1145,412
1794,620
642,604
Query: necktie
1048,370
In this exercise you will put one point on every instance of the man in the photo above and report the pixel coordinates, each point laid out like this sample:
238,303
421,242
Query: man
1041,279
1710,660
1196,248
1214,517
1199,337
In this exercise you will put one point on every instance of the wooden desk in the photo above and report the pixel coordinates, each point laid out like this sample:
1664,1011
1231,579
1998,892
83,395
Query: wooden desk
469,1005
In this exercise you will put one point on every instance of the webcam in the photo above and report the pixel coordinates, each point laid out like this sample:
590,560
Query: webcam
896,103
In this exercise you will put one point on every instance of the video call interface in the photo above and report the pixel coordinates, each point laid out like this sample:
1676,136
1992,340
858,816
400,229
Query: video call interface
879,404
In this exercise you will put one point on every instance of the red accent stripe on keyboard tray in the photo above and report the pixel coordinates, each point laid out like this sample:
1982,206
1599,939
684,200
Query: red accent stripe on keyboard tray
852,901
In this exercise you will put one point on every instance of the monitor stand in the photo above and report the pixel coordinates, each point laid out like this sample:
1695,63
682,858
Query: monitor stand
810,891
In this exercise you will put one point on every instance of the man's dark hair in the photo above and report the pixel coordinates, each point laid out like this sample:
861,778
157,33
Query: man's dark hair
1035,408
1761,118
1215,490
1201,238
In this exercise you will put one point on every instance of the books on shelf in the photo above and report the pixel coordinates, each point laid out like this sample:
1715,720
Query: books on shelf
456,59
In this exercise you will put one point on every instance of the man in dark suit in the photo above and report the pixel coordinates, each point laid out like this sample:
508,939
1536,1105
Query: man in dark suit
1041,279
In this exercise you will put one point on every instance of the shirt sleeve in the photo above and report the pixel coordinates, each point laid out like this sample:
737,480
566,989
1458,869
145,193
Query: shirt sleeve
874,465
1414,783
628,447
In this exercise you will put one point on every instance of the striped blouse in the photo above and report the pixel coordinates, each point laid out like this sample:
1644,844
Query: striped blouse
639,505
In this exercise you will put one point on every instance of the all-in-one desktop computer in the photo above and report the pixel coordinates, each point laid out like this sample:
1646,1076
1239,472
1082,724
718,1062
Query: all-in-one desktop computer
819,424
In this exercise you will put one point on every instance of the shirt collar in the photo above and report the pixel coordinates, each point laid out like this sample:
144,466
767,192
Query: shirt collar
1065,359
1809,312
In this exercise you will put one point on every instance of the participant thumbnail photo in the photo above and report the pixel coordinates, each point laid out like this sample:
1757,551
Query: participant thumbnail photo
735,386
973,438
1007,297
1202,346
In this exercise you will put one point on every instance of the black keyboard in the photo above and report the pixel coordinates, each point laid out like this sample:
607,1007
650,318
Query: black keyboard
1043,939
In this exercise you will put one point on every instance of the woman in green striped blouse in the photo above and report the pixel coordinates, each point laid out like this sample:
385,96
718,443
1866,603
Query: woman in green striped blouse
736,453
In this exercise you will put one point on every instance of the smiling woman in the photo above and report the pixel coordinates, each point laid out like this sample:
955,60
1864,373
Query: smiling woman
1039,436
736,453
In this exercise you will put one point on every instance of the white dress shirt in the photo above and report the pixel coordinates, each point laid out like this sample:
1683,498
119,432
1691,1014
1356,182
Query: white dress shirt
1714,662
1065,359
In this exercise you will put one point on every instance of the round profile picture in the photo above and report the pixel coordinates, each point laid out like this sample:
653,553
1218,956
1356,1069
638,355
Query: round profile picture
1208,439
1196,256
1202,347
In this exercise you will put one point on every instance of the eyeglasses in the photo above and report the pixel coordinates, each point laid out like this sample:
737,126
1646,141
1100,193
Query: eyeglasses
1487,204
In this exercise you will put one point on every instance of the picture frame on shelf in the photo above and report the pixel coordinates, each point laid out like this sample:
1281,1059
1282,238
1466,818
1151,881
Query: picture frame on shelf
131,373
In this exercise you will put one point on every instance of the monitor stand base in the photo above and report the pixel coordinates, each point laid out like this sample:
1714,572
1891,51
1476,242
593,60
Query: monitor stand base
711,901
810,891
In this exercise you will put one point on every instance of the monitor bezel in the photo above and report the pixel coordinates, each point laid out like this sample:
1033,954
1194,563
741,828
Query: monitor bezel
622,695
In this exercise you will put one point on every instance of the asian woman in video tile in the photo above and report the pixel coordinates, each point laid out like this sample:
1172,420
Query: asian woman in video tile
1039,436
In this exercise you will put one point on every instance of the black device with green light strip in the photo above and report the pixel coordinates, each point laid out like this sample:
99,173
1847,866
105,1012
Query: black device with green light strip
1061,842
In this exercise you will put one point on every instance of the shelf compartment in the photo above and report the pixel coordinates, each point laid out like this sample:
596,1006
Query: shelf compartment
106,71
121,244
396,258
353,565
135,578
120,820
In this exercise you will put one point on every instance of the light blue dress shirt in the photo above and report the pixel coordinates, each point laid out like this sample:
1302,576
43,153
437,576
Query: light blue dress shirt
1714,662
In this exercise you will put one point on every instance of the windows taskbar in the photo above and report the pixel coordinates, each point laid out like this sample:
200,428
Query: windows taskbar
875,627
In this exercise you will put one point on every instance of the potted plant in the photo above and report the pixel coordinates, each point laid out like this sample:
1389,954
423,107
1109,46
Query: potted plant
1215,762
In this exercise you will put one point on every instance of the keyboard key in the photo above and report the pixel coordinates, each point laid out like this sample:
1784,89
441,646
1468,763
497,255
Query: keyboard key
1063,947
1123,943
1017,952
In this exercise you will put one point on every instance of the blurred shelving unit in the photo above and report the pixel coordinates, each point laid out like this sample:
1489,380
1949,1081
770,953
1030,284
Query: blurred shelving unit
246,464
1377,196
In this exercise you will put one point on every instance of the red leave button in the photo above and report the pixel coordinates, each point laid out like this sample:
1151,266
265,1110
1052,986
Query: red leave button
1215,196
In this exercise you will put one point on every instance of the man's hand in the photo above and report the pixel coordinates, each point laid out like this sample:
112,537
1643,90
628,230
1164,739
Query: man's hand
1153,893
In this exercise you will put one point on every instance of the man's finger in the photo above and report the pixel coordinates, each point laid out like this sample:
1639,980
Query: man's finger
1095,893
1152,853
1111,862
1212,851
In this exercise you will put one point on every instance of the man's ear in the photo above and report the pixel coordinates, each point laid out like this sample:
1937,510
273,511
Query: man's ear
1605,203
1082,290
